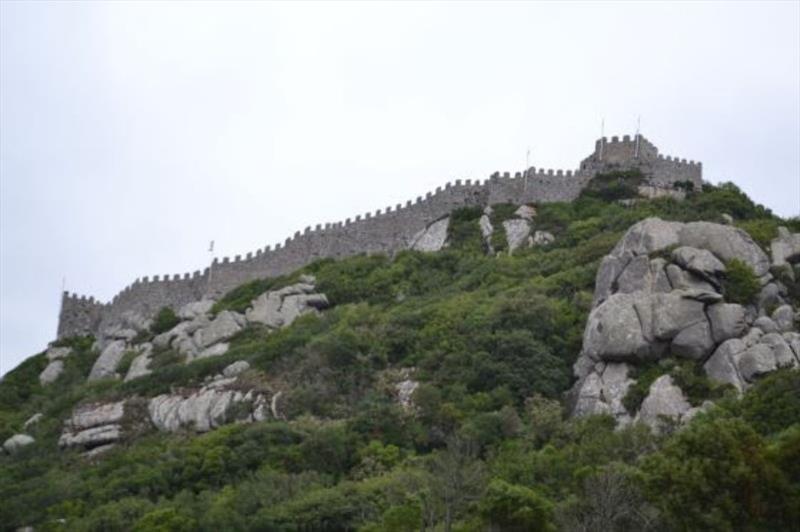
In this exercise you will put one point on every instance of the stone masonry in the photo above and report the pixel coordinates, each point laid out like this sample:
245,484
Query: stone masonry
387,231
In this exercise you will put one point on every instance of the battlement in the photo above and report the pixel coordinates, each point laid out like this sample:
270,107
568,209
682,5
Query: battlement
387,230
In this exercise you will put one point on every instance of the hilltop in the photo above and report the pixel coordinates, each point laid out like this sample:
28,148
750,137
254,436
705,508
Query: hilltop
621,358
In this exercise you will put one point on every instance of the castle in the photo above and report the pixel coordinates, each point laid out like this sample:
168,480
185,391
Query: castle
386,231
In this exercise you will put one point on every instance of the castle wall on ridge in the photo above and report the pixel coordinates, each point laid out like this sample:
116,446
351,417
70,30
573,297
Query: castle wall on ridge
386,231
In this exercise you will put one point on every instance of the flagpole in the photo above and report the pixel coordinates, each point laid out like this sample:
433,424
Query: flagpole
638,127
211,265
602,136
527,169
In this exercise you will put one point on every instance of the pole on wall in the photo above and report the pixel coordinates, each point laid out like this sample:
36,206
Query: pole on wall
210,265
638,127
527,170
602,136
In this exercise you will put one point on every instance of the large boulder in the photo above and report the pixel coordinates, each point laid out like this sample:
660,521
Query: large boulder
93,425
106,364
664,404
757,361
784,318
207,408
140,366
51,372
648,236
432,238
722,366
603,391
196,309
699,261
17,442
726,243
785,248
517,232
279,308
613,331
226,324
727,321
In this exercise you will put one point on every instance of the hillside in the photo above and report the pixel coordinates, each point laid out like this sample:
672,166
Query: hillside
465,388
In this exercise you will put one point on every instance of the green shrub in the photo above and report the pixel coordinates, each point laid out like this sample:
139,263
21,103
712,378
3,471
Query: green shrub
614,186
512,508
464,232
740,284
644,376
165,320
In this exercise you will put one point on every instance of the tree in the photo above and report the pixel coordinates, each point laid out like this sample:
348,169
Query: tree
458,479
610,501
513,508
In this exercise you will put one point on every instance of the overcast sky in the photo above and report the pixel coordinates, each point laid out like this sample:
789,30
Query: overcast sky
131,134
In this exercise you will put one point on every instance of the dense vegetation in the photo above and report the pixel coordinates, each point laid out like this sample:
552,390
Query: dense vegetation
487,446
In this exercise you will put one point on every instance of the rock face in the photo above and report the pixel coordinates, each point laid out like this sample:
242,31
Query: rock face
140,366
405,393
432,238
280,308
658,294
542,238
517,232
664,401
51,372
55,367
106,364
93,425
209,407
603,390
17,442
786,248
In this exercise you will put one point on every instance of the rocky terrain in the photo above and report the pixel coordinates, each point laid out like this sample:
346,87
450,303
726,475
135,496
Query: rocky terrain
661,293
625,351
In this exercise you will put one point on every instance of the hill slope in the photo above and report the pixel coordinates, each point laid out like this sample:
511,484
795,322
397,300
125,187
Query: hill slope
430,393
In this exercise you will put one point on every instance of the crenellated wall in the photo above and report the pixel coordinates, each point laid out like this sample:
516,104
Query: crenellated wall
640,153
385,231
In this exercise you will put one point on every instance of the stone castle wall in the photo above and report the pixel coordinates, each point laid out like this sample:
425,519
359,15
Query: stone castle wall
386,230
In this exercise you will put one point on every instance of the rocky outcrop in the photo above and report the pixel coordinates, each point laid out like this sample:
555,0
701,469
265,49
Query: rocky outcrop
603,390
55,366
53,370
405,393
201,335
215,404
432,238
659,294
517,232
33,420
93,425
280,308
140,366
106,364
785,248
542,238
664,404
17,442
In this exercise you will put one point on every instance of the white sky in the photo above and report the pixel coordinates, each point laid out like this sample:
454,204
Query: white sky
131,134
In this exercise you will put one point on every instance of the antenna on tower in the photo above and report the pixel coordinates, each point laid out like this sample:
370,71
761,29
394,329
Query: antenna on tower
638,127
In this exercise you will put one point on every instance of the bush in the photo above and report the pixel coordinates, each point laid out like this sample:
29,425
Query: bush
740,284
165,320
614,186
464,232
512,508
